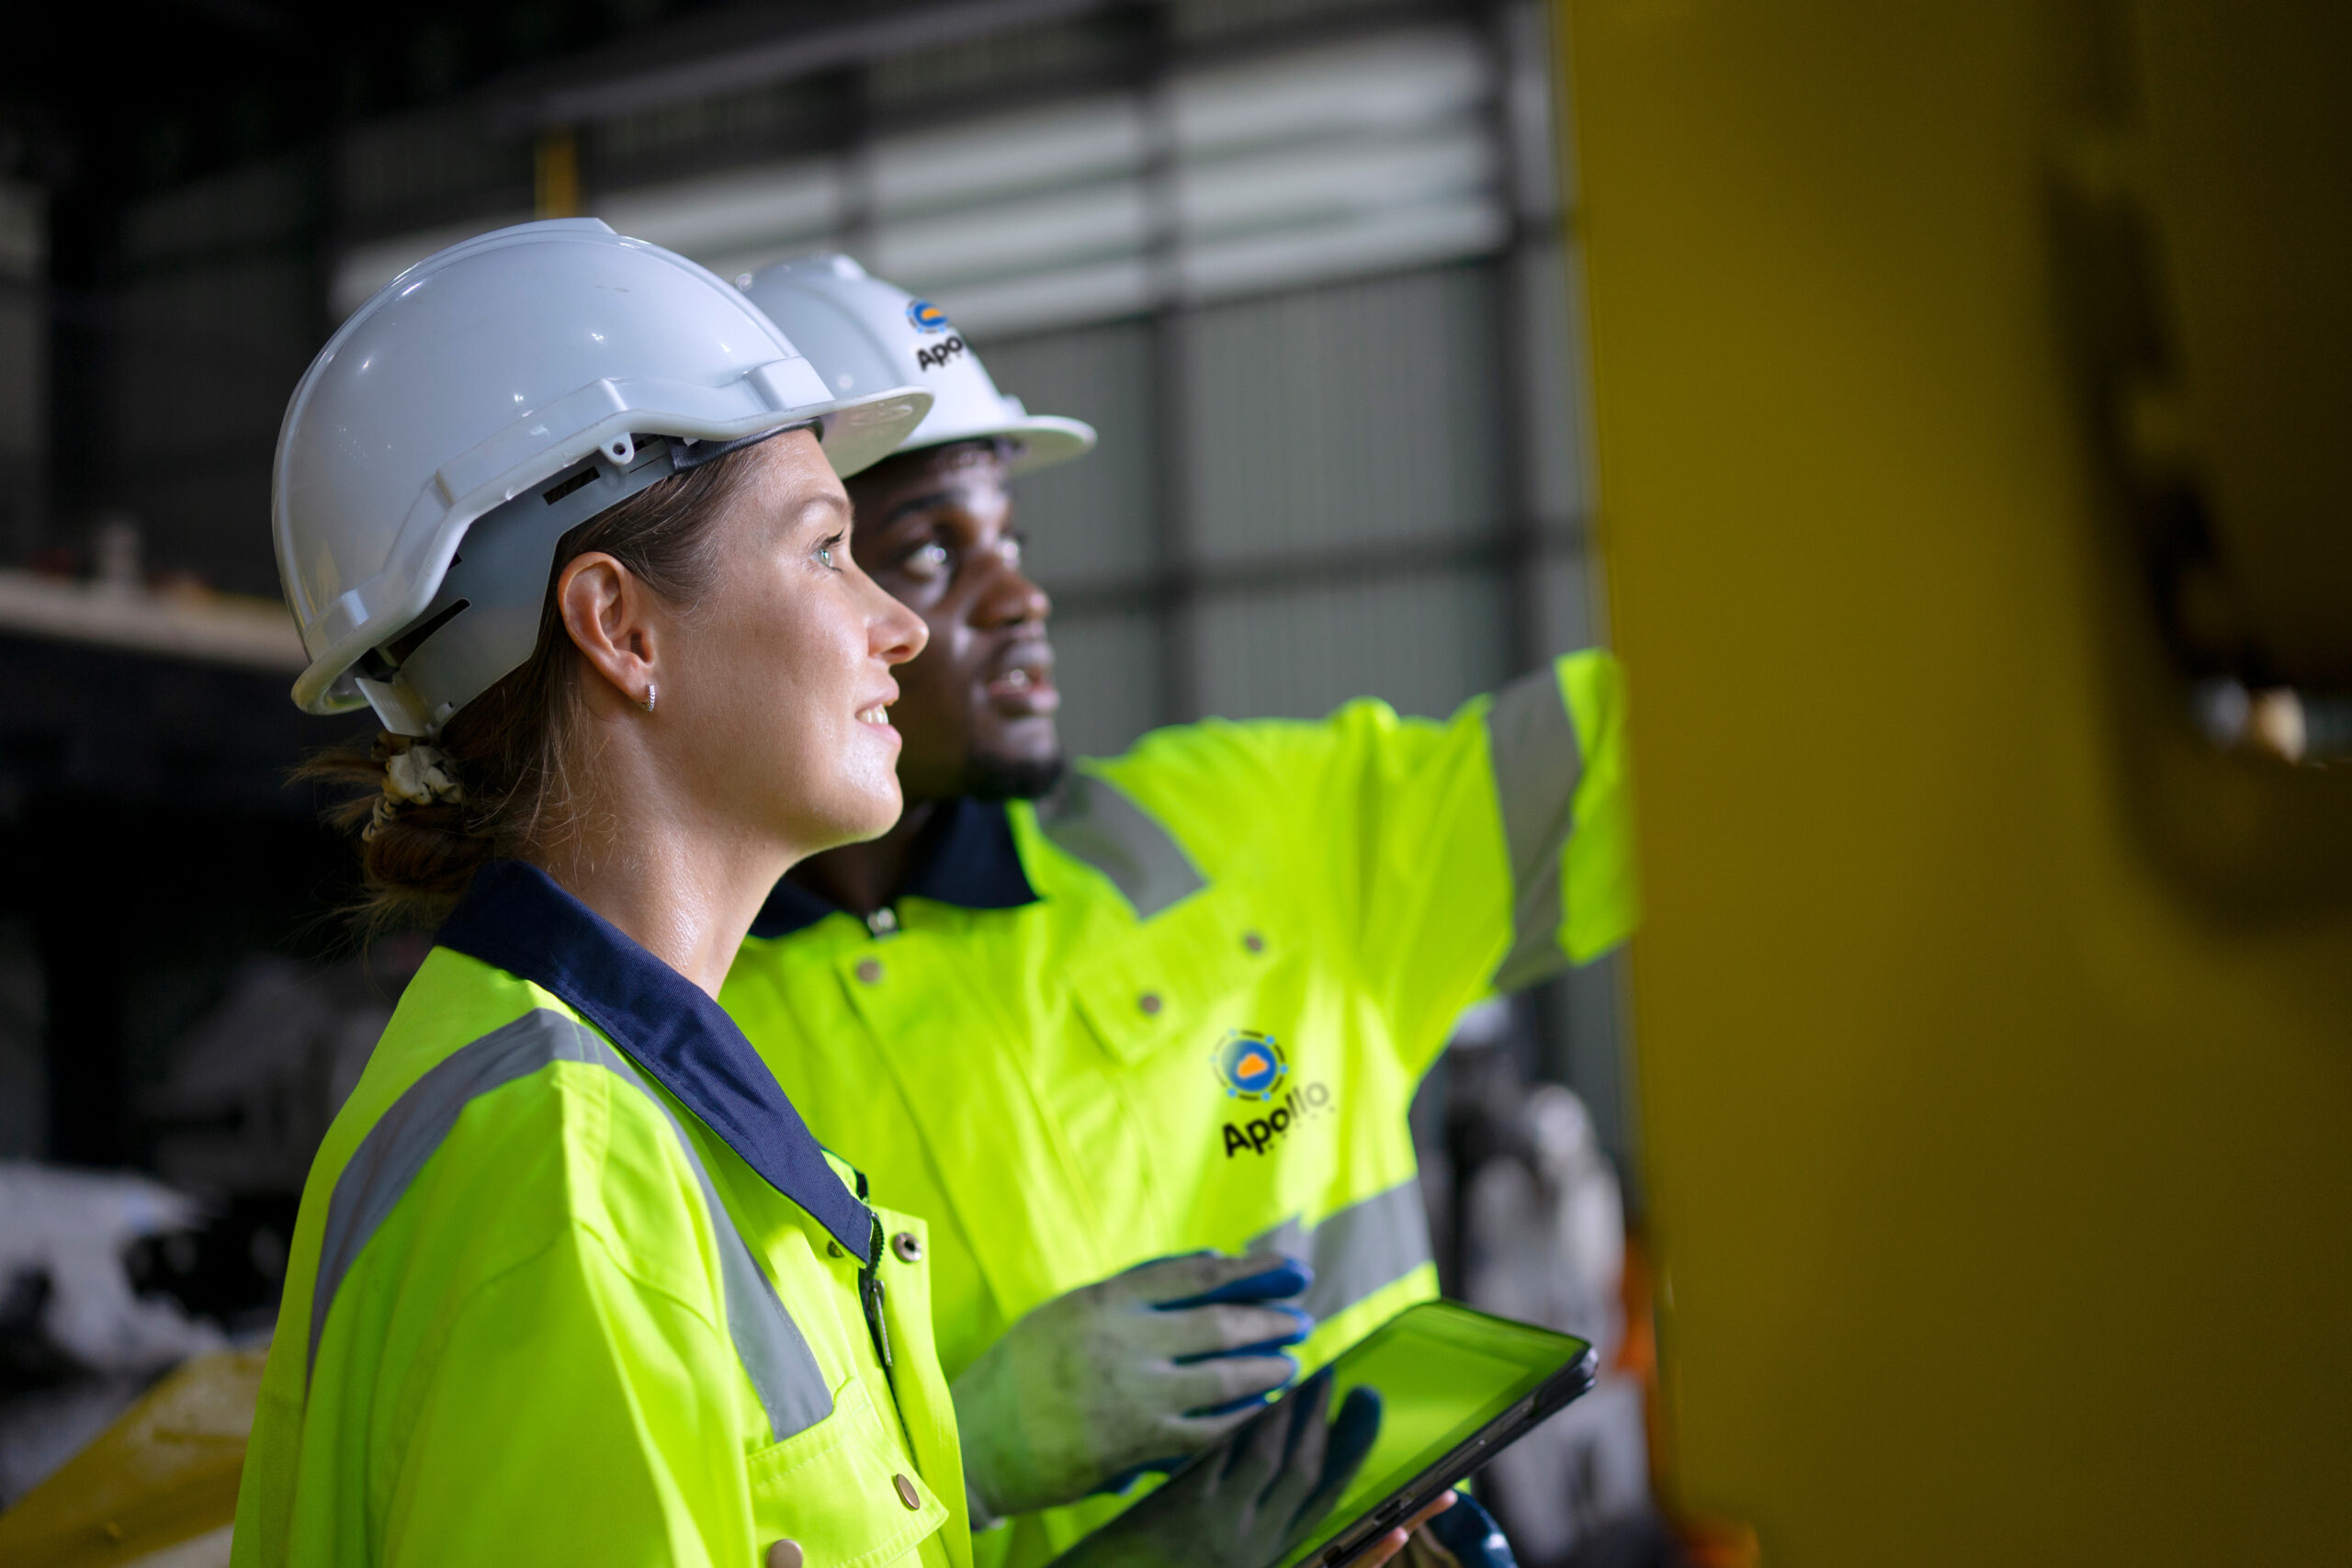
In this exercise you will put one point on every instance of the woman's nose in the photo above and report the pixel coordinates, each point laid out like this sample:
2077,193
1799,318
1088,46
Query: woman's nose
895,633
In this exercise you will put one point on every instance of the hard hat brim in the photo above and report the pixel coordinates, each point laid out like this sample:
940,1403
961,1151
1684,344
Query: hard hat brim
1040,440
861,432
1046,439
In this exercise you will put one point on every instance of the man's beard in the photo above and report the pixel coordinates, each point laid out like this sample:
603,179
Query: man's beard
989,777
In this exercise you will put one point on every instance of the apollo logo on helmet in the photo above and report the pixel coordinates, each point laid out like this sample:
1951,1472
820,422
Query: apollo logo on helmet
1252,1067
932,358
926,317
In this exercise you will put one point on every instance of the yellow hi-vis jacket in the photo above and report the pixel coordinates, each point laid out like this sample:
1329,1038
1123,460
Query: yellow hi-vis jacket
572,1283
1186,1003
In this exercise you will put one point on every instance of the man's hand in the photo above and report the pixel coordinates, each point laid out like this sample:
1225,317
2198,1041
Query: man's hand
1144,1369
1250,1504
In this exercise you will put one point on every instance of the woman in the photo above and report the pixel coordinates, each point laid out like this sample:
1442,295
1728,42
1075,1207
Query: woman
571,1282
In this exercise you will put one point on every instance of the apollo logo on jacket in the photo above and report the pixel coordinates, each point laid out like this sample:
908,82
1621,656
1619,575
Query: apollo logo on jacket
1252,1067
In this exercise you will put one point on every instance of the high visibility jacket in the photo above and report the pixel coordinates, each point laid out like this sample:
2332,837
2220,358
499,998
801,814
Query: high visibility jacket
572,1284
1186,1003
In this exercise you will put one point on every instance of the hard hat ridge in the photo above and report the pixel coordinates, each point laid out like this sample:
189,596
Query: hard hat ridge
524,378
861,332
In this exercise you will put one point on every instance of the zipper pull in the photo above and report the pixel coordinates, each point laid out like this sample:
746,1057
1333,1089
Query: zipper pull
870,1288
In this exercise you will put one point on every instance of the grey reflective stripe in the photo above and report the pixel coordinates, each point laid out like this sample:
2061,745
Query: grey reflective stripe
776,1357
1532,745
1373,1242
1092,821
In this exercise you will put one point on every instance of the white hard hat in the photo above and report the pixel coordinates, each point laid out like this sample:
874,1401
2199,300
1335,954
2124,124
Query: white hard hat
495,396
860,332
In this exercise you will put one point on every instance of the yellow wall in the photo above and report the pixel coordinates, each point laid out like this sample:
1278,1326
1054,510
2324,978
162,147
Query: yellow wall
2000,1159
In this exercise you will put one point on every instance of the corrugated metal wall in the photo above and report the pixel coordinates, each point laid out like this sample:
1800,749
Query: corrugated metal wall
1334,525
24,361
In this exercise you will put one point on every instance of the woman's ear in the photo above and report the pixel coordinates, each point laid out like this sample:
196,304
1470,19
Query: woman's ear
609,615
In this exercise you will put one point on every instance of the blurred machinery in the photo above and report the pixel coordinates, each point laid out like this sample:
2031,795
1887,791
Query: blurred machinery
156,1489
249,1091
1528,1219
1969,389
2197,229
108,1281
76,1342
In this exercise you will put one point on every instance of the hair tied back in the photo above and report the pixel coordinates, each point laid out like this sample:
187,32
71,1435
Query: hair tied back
414,774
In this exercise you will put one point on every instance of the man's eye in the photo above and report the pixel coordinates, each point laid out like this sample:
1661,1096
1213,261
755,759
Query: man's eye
1011,548
929,561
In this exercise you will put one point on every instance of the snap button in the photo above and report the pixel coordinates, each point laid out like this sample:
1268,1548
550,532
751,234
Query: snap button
908,1245
1148,1001
907,1494
869,970
883,921
1254,942
786,1553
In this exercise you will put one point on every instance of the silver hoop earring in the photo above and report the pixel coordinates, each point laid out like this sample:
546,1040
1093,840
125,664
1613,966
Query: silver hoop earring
646,703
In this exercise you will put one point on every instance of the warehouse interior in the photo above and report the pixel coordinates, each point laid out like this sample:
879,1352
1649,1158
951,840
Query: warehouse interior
1938,408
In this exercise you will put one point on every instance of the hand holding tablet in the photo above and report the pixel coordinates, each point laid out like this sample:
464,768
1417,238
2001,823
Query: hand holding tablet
1422,1401
1456,1388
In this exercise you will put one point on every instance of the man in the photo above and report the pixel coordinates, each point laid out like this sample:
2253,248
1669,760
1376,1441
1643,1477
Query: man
1085,1018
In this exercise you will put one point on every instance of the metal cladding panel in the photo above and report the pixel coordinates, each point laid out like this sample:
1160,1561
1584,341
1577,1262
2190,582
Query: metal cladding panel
1342,416
1565,606
218,312
1108,665
1093,520
1552,420
1423,643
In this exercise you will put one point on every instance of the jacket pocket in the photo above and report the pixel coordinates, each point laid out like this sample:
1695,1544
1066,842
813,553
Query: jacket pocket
841,1489
1164,983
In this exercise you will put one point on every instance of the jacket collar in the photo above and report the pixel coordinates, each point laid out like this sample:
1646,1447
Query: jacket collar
516,918
964,856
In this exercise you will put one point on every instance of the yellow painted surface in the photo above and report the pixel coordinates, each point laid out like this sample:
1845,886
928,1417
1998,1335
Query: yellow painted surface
159,1485
1996,1062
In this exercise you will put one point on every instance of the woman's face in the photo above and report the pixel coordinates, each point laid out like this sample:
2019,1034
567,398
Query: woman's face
775,683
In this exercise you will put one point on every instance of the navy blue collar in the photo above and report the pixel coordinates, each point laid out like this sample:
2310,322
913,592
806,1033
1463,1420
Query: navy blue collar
964,856
516,918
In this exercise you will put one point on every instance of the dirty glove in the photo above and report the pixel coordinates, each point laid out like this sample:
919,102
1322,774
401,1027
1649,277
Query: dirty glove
1144,1367
1247,1504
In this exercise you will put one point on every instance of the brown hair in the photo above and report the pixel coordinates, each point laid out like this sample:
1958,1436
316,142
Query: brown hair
513,748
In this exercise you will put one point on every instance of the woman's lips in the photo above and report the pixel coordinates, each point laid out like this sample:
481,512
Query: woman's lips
877,714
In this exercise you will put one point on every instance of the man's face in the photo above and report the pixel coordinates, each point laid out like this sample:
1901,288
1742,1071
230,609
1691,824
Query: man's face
934,529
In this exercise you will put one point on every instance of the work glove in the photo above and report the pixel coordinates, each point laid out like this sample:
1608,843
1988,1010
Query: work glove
1136,1372
1247,1506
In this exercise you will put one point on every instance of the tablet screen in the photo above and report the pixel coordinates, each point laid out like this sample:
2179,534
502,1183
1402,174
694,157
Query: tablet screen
1443,1372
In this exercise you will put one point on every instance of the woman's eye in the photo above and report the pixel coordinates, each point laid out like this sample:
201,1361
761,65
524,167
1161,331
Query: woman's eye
927,562
826,553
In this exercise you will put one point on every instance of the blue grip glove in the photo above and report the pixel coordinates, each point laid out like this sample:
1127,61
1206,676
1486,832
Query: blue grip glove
1248,1505
1133,1373
1288,1277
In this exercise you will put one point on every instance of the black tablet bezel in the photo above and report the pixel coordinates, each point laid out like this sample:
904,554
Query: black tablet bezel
1549,1397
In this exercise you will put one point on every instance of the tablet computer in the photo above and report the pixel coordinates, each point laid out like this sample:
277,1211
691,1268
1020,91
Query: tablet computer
1456,1387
